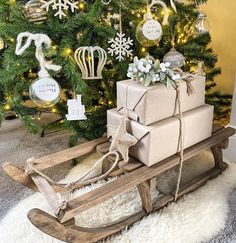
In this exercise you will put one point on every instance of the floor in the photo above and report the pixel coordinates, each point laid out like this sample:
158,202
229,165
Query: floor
16,146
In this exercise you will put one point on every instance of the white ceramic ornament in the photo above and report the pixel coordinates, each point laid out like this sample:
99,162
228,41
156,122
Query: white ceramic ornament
91,61
45,91
75,109
149,31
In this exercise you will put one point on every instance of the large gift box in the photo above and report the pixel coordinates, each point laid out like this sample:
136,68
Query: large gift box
147,105
160,140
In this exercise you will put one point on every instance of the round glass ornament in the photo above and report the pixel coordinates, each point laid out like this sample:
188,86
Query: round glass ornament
34,13
45,92
175,58
202,24
149,31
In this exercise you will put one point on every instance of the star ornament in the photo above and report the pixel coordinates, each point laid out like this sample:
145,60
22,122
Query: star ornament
121,139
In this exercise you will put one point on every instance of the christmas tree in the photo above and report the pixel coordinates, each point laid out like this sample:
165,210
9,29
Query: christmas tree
93,23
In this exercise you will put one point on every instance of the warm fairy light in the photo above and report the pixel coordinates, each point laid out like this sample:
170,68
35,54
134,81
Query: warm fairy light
12,40
143,49
7,107
39,118
133,12
138,15
12,1
54,47
18,64
54,110
68,51
109,102
81,6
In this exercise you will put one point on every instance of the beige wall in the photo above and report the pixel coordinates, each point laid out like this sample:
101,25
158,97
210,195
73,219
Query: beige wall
223,19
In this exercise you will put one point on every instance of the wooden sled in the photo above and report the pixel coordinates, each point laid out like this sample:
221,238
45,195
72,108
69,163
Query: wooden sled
136,174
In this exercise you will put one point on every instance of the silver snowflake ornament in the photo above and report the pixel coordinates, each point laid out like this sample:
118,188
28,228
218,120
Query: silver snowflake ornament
60,6
120,46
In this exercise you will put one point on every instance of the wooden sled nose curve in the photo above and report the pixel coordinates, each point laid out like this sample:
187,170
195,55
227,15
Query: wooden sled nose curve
19,175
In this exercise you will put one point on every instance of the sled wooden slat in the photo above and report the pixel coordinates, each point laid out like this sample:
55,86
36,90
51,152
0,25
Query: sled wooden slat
47,191
138,176
67,154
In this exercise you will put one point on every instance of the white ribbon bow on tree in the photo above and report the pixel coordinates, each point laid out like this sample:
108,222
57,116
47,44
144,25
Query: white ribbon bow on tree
40,40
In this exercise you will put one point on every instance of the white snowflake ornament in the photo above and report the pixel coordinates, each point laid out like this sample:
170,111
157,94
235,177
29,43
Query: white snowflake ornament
60,6
120,46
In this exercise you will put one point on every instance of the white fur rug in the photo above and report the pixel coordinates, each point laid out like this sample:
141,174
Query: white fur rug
195,218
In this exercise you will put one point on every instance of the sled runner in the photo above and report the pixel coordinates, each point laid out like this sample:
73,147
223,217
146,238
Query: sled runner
134,174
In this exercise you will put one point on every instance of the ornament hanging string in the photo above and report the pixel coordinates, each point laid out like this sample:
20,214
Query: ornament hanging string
39,40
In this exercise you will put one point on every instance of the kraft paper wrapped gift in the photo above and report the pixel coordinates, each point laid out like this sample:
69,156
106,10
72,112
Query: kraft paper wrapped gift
147,105
160,140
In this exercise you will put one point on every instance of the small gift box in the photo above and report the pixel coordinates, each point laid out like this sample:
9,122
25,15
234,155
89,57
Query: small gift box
147,105
160,140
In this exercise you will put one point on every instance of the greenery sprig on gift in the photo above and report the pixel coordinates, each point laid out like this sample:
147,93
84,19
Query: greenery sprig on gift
149,71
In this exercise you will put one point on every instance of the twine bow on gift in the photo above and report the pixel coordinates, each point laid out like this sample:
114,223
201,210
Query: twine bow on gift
39,40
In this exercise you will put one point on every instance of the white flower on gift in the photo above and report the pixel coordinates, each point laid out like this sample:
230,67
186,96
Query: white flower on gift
163,67
176,77
129,75
130,69
148,70
144,68
157,77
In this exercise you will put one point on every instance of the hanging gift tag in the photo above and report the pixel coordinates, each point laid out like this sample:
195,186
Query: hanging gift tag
75,109
152,30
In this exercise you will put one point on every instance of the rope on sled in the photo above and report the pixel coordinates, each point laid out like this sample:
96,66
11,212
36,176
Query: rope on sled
180,140
31,168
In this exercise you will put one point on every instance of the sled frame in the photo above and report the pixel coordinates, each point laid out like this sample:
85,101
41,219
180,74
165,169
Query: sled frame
135,174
